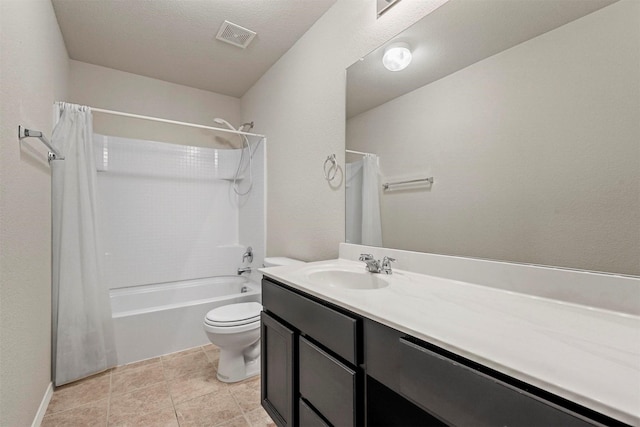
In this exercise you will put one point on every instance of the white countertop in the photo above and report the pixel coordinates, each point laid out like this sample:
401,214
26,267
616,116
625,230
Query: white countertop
588,355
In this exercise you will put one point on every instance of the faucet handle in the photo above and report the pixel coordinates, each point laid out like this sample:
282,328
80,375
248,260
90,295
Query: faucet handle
365,257
248,255
386,264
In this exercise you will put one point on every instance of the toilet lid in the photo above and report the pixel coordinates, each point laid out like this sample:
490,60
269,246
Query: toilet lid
234,314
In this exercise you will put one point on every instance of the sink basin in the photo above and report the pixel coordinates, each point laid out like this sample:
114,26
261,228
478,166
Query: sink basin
347,279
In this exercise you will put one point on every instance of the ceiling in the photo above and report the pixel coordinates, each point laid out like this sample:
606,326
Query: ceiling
456,35
175,40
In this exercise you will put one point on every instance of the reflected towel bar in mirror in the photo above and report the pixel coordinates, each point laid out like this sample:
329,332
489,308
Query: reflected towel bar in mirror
388,185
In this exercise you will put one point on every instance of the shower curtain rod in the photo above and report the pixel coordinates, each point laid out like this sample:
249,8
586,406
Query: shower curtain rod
173,122
359,152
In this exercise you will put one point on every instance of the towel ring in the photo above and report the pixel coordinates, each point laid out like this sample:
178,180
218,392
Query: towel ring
333,167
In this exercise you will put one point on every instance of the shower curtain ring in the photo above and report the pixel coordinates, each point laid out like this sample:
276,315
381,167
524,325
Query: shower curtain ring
332,167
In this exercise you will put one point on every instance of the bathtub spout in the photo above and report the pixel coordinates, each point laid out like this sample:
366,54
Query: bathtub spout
244,270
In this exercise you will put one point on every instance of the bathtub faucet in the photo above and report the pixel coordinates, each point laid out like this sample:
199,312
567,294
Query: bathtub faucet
248,255
244,270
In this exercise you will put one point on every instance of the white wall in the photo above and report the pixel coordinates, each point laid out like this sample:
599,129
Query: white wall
111,89
535,151
33,74
300,105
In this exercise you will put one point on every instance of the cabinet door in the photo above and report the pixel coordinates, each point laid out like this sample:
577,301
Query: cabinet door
277,381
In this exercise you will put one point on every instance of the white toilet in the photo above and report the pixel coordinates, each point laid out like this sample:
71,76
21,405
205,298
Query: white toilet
235,329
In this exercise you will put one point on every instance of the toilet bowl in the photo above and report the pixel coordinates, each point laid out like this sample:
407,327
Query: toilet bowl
235,329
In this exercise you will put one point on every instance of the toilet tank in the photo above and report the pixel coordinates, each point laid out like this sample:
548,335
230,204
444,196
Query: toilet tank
280,261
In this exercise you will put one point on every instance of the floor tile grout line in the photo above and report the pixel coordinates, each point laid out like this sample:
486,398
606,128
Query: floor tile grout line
173,403
242,412
106,422
166,380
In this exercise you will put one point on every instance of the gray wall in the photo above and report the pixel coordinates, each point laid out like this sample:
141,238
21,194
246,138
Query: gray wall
33,74
111,89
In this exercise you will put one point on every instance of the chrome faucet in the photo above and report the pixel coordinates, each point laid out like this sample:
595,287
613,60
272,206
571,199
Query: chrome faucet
386,264
375,266
244,270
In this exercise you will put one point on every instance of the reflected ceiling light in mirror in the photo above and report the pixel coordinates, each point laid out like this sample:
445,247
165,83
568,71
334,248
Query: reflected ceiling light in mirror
397,56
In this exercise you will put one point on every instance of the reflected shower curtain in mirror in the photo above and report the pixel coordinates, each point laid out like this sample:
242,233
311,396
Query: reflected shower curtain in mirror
363,224
83,342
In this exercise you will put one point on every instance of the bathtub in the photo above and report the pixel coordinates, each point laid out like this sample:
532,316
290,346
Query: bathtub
153,320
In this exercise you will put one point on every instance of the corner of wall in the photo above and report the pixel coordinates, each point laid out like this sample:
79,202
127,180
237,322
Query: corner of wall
299,103
34,68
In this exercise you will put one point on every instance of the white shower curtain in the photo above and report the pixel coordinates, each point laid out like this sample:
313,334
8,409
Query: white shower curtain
83,333
371,225
363,225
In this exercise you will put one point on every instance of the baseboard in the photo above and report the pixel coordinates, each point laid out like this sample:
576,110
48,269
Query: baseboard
43,406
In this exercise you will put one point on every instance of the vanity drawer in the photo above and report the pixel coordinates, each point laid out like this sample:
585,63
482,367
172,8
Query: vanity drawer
308,417
461,395
327,384
333,329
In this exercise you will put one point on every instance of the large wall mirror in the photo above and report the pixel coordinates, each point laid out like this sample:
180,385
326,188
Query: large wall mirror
526,113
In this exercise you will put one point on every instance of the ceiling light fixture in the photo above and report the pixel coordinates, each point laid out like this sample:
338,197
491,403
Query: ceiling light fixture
397,56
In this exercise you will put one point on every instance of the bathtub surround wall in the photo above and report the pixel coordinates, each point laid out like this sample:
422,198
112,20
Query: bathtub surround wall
169,213
300,104
569,99
33,74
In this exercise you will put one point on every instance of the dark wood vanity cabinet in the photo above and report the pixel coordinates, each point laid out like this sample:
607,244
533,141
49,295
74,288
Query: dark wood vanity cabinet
452,390
325,366
312,350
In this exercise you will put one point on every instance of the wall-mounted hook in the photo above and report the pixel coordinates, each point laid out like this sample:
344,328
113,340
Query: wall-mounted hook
330,172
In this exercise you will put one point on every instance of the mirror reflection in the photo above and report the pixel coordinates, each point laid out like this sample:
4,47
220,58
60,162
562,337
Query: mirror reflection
526,114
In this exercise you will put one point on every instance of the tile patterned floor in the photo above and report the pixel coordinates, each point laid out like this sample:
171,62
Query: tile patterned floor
179,389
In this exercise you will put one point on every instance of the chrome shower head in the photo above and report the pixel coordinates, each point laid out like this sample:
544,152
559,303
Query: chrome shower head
224,122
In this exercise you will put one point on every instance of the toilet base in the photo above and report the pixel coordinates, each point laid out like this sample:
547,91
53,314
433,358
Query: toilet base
237,365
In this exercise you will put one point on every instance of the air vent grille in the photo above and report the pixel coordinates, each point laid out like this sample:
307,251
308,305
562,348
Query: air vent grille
235,34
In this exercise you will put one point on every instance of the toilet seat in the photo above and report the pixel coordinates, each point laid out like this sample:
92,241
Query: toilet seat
234,315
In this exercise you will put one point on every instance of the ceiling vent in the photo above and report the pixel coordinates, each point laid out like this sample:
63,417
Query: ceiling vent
235,34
